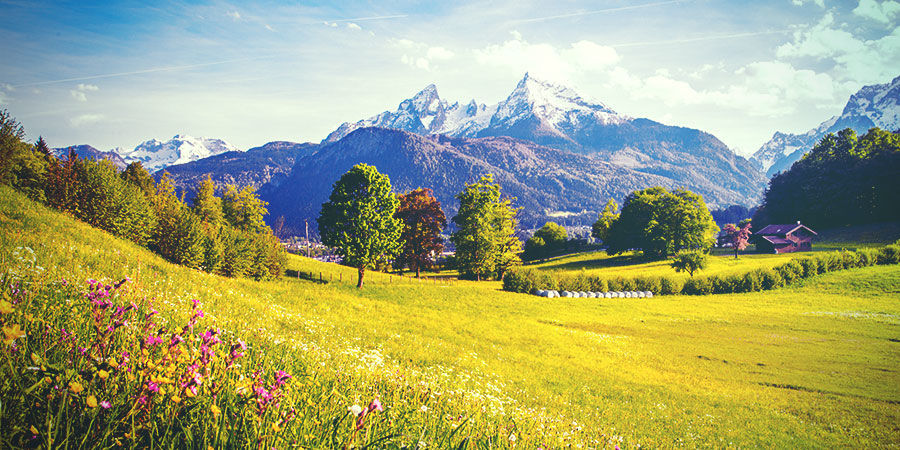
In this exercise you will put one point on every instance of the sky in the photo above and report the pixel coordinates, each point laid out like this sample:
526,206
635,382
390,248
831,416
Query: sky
115,74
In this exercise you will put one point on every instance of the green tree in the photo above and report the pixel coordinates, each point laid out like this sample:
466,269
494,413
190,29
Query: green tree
485,239
12,135
110,203
137,175
535,248
690,262
41,147
243,209
600,228
661,223
359,219
206,205
178,236
553,234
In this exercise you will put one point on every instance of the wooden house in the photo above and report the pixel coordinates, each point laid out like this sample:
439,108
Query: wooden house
784,238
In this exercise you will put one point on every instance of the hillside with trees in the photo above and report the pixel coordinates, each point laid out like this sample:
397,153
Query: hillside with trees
845,180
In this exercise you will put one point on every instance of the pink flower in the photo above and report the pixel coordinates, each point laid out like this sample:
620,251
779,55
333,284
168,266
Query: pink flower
375,406
105,404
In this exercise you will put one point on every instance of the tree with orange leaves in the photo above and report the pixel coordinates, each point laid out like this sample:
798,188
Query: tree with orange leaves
423,221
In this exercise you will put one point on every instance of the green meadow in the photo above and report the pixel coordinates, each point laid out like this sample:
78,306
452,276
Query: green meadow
813,365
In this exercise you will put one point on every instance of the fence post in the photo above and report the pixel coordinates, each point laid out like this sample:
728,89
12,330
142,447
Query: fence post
320,276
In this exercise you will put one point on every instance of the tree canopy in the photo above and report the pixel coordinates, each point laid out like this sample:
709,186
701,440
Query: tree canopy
486,245
661,223
547,240
843,180
600,228
359,219
423,220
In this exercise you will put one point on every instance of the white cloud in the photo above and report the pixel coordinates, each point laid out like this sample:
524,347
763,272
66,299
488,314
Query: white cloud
821,3
547,61
353,26
4,100
269,27
883,12
854,59
330,24
80,91
86,119
440,53
234,15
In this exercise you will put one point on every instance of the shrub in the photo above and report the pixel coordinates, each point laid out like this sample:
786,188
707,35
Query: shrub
849,259
831,261
518,279
670,285
790,271
599,284
867,256
689,262
698,286
889,254
652,284
771,279
751,281
810,266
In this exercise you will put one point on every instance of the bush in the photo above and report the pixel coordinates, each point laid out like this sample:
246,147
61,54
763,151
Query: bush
670,285
889,254
519,279
652,284
849,260
790,271
698,286
829,262
810,266
751,282
771,279
599,284
867,257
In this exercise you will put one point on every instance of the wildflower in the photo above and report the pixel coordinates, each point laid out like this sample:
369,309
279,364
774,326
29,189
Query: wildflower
176,399
103,374
5,307
355,410
152,387
76,387
91,401
11,333
34,430
215,410
423,408
512,438
105,404
113,363
375,406
275,427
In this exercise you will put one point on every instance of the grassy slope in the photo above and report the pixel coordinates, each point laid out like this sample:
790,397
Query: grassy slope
810,365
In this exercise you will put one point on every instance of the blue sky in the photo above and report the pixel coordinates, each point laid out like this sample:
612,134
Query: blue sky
113,74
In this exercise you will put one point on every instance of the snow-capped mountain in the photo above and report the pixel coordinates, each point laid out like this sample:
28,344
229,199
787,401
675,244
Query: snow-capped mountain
425,113
156,155
557,116
872,106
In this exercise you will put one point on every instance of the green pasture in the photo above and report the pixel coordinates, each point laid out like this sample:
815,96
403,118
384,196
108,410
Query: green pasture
813,365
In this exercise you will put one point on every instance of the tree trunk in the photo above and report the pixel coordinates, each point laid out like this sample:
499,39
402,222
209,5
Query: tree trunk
417,271
362,272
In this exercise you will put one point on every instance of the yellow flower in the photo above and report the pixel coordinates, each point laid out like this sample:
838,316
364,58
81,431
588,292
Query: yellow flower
215,410
91,401
113,363
76,387
103,374
176,399
34,430
5,307
275,427
11,333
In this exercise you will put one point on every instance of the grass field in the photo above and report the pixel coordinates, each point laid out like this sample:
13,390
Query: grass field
817,364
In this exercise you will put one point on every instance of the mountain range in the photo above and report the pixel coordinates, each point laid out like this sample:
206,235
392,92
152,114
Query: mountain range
872,106
558,153
88,152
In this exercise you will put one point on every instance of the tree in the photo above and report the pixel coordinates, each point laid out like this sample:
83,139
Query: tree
12,135
41,146
206,205
359,219
423,220
136,174
553,234
600,228
689,262
738,235
535,248
485,239
661,223
243,209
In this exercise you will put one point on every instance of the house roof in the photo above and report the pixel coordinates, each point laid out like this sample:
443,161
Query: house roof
783,229
777,240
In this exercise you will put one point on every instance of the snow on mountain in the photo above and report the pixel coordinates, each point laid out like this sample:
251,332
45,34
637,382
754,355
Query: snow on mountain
156,155
872,106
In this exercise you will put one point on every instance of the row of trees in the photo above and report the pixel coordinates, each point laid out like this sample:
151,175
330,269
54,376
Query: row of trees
225,235
370,226
843,180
